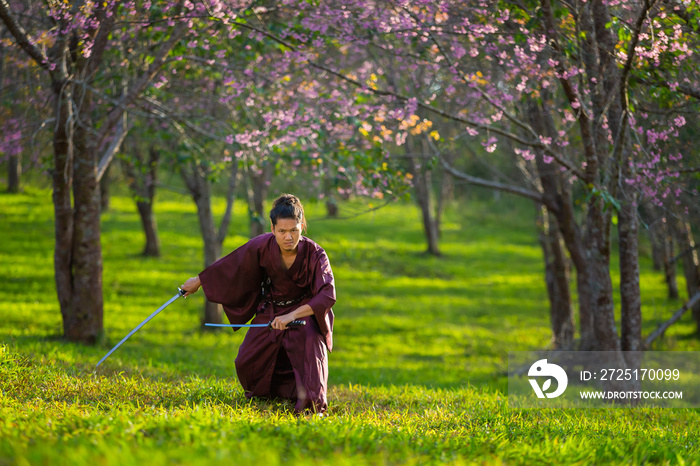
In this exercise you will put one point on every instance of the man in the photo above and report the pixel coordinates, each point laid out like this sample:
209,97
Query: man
278,277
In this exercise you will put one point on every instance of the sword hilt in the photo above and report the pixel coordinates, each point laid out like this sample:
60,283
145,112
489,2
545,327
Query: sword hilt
294,323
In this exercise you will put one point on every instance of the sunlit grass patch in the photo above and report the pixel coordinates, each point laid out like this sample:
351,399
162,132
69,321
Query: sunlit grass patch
417,375
53,410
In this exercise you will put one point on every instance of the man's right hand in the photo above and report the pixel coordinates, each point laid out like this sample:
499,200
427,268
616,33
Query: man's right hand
191,286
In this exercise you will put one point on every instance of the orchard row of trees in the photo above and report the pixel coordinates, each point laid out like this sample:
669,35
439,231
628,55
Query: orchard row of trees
586,107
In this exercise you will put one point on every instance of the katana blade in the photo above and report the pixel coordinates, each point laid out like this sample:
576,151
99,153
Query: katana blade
294,323
180,292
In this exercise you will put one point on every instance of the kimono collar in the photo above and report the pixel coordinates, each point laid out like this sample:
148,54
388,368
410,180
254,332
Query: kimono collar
297,260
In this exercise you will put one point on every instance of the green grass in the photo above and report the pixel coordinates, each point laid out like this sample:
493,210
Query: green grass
417,375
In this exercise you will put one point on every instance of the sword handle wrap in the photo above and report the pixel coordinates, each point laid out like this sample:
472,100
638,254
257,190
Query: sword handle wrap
294,323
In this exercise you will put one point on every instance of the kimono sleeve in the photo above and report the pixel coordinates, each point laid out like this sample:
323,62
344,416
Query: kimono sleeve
323,291
234,281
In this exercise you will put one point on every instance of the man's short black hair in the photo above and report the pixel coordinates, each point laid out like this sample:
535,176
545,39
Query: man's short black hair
288,206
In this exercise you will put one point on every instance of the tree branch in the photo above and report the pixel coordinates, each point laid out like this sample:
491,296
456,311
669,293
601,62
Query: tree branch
372,209
115,114
165,111
108,155
386,93
20,34
680,10
682,88
465,79
585,124
631,49
675,318
684,253
534,195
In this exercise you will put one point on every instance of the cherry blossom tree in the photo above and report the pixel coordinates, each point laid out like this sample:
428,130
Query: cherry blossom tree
580,64
342,87
71,44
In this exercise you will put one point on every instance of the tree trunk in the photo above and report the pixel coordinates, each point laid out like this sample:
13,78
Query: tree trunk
63,208
150,228
212,249
446,192
669,265
14,163
421,182
557,279
200,189
327,190
258,184
658,248
198,184
331,207
598,250
78,252
14,173
558,199
602,172
691,264
143,189
85,321
586,309
230,196
662,241
630,294
148,218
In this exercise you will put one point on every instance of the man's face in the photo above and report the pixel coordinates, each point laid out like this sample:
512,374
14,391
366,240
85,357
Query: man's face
287,233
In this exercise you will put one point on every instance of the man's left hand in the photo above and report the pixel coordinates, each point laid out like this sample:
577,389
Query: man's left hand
280,322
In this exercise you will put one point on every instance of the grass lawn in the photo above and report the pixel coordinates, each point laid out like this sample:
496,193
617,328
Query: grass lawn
417,375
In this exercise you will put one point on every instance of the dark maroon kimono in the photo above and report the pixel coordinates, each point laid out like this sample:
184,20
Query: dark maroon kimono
292,363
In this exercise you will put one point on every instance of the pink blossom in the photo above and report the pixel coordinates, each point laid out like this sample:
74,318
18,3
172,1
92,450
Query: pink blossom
526,154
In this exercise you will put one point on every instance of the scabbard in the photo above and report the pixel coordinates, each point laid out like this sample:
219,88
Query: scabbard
294,323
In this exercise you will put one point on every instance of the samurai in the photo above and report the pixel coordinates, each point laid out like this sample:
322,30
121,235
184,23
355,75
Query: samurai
277,278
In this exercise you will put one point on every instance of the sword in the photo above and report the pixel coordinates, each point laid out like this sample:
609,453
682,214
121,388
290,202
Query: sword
180,292
294,323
